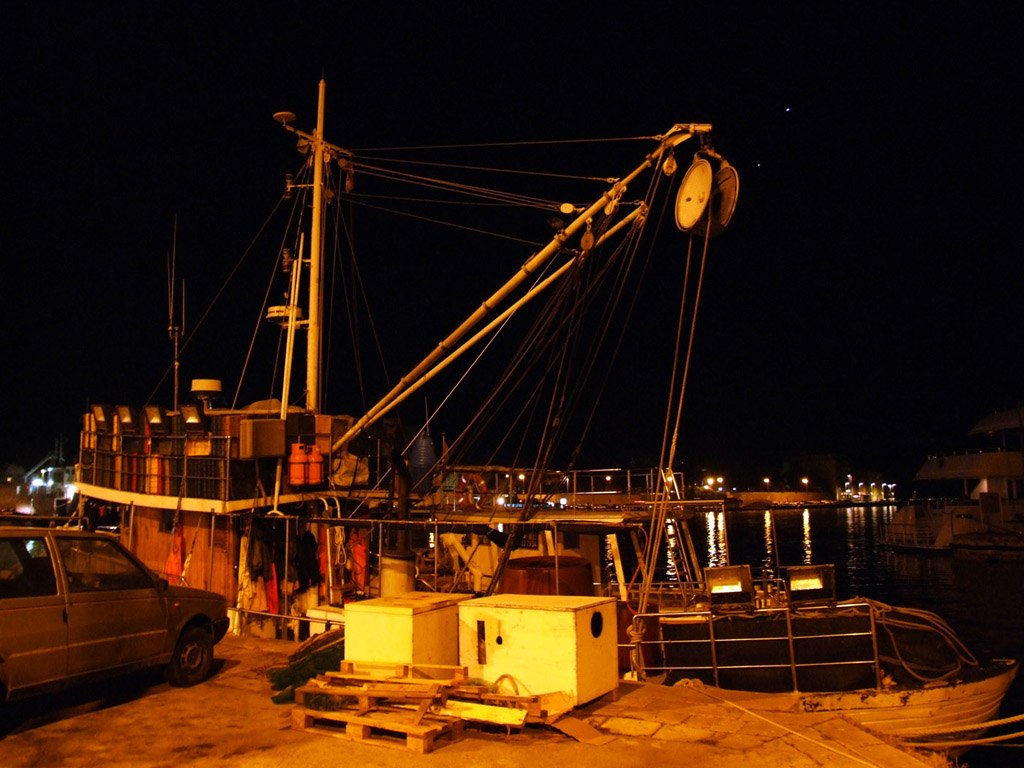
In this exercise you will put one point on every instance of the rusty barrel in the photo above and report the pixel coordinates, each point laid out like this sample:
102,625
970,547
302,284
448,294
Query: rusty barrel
535,575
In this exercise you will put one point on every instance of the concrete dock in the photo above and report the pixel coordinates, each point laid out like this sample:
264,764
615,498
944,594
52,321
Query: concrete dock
230,721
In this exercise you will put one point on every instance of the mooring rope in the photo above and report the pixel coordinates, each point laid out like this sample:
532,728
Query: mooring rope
981,741
988,740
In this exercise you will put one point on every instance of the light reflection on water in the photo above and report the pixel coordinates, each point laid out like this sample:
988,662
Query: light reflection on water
718,544
808,550
672,541
982,600
768,561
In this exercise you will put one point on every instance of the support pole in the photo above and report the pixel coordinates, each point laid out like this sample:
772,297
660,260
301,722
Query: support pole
315,261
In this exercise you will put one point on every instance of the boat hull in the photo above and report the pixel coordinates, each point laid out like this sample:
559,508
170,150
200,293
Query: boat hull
932,715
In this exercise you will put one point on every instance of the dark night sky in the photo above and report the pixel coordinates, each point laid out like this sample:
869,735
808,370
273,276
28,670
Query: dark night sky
865,301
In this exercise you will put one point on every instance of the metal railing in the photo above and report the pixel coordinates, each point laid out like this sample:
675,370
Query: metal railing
493,487
699,639
918,534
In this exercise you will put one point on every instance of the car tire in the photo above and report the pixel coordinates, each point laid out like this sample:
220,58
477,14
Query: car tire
192,659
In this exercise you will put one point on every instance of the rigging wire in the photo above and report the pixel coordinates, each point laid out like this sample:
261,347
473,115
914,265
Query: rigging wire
489,169
355,296
470,190
561,320
296,217
430,220
661,499
633,244
217,296
484,145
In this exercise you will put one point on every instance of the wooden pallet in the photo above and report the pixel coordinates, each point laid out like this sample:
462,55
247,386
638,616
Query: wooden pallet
371,695
398,729
405,705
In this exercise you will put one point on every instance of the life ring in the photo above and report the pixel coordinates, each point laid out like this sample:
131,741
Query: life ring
470,485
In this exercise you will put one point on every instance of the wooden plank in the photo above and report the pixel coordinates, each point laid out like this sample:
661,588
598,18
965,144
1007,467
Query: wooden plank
481,713
378,670
378,690
368,694
531,704
421,710
386,718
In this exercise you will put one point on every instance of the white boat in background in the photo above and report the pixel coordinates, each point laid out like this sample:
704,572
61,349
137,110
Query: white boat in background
990,504
930,525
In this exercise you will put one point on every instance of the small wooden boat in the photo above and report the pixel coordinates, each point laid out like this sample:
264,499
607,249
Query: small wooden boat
931,715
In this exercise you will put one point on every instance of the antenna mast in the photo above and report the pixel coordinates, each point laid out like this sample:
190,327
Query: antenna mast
174,331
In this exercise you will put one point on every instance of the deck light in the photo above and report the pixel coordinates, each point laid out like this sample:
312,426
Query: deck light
104,417
156,419
195,419
730,585
810,585
126,418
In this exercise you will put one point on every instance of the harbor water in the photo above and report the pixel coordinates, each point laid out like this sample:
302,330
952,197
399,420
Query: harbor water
982,600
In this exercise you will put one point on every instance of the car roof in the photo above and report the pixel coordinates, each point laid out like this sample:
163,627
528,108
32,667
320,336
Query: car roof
37,529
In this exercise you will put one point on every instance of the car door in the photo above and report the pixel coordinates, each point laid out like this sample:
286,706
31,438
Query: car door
33,629
116,613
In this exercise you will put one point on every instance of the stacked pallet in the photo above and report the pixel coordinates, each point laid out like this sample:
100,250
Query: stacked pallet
408,706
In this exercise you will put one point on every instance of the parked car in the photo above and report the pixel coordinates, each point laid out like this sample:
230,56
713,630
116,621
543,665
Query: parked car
76,605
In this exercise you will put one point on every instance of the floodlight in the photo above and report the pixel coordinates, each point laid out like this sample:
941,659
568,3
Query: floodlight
810,584
730,585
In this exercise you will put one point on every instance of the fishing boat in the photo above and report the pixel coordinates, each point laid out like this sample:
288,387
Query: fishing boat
192,484
281,506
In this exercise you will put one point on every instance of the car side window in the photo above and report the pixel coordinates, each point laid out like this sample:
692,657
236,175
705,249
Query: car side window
97,565
26,568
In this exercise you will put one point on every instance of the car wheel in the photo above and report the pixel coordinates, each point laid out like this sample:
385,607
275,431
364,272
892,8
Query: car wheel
192,659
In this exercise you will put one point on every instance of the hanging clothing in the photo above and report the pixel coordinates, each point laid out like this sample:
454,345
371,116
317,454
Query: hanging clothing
175,565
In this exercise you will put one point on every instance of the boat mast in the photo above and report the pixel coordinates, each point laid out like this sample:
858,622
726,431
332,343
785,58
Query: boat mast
289,352
609,201
315,260
174,330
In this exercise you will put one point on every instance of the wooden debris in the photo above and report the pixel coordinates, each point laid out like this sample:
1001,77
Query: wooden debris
419,702
367,697
582,731
481,713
